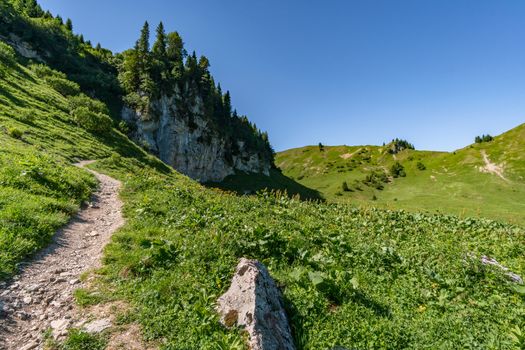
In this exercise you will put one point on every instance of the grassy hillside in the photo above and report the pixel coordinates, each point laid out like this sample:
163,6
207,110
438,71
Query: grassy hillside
358,278
434,181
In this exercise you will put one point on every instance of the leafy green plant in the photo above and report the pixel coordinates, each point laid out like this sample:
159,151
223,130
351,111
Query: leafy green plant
7,54
91,121
376,179
63,86
82,100
397,170
15,133
421,166
79,340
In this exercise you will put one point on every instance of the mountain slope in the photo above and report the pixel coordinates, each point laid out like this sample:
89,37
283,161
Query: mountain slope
459,182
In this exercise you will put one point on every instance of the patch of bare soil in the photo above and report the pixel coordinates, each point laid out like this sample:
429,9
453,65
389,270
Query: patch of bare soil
491,168
349,155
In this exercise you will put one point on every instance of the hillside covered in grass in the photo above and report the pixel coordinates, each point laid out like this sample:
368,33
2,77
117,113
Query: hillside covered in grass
358,278
459,182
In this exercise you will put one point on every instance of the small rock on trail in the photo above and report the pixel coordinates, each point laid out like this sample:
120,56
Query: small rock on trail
41,296
254,302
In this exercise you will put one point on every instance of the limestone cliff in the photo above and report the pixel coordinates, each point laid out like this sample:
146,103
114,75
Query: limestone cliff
191,143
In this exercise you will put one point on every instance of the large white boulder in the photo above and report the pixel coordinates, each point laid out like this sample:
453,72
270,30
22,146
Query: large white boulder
254,302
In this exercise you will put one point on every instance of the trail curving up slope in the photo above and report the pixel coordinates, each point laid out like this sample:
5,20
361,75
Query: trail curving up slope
41,296
492,168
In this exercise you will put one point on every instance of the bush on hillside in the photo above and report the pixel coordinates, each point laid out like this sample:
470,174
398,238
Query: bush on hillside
421,166
15,133
124,127
376,179
397,170
82,100
92,121
483,138
345,187
42,71
63,86
7,54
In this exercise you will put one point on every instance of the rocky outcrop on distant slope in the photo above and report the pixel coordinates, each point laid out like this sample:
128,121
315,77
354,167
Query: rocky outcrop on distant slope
254,303
189,143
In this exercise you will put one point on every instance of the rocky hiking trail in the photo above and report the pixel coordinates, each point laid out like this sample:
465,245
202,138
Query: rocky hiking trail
40,297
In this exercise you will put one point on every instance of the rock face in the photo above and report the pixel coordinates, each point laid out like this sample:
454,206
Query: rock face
188,143
254,303
23,48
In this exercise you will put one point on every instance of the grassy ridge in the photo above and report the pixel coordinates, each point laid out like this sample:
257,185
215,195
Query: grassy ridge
352,277
451,182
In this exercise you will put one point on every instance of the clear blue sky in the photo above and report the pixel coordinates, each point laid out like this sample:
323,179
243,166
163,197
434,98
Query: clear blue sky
436,72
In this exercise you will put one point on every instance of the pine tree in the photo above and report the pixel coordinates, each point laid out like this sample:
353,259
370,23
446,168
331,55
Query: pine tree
69,25
159,47
175,54
161,72
142,45
227,103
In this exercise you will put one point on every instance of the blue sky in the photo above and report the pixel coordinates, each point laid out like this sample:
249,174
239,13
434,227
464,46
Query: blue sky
436,72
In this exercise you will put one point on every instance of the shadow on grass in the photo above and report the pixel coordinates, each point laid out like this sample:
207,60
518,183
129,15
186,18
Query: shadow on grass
126,148
250,183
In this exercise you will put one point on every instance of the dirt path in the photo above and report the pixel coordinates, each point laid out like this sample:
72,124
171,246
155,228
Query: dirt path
41,296
491,168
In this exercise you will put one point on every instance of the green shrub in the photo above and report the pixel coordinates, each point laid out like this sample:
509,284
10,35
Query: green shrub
82,100
7,54
43,71
421,166
483,138
15,133
345,187
91,121
63,86
124,127
136,101
376,179
397,170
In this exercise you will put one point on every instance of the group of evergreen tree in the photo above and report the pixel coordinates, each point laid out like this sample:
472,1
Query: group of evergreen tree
398,145
483,138
148,72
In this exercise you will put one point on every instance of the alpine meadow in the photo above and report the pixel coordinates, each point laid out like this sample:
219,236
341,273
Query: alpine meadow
362,247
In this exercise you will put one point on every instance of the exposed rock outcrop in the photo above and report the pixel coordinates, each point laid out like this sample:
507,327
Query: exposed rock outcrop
23,48
254,303
187,141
